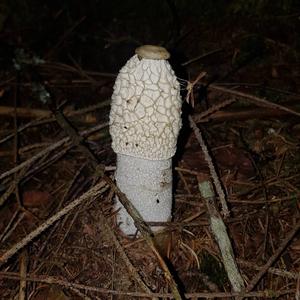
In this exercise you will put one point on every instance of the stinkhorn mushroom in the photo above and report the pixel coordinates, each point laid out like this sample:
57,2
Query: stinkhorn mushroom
145,120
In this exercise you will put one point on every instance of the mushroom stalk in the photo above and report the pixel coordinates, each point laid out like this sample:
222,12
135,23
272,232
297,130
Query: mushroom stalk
148,185
145,120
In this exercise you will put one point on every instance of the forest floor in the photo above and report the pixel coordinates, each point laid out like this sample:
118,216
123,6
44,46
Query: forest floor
246,108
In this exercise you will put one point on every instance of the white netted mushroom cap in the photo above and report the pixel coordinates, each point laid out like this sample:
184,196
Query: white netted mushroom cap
145,116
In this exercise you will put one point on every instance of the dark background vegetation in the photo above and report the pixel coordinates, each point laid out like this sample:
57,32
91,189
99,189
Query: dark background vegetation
106,32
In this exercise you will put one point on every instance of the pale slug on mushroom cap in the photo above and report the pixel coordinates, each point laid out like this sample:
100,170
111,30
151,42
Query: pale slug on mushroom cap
152,52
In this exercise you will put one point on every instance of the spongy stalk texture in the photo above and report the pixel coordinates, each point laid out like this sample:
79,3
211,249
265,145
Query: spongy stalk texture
148,185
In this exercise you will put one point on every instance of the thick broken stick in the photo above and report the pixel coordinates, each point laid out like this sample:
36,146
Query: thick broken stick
220,233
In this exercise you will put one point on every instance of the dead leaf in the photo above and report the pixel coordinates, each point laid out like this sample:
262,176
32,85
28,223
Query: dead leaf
36,199
51,293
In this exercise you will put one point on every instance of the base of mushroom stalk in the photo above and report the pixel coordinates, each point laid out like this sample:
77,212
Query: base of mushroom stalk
148,185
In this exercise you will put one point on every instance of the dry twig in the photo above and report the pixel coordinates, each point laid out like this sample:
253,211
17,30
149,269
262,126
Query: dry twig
23,271
213,172
219,230
253,99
